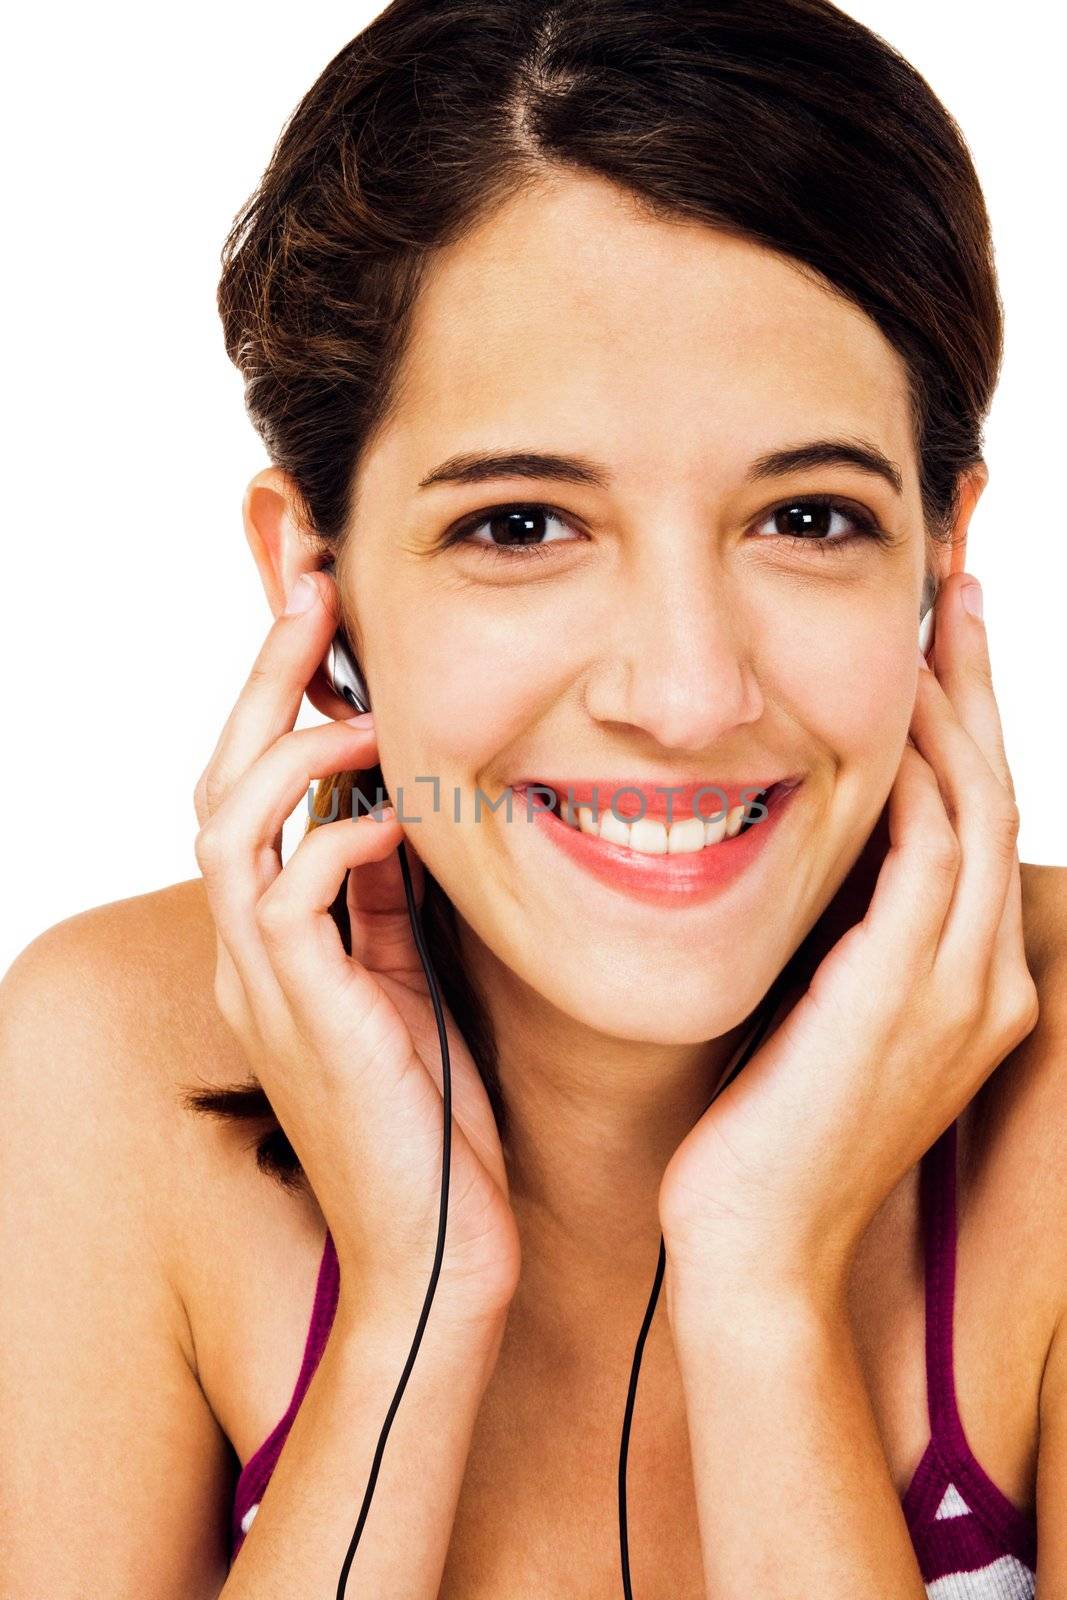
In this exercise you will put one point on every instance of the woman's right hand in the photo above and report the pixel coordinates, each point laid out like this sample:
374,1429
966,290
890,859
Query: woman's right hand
346,1047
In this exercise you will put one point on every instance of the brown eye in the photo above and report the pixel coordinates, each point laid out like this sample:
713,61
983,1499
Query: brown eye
512,529
819,519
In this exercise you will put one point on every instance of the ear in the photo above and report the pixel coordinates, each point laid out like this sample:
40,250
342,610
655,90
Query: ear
952,556
284,548
277,534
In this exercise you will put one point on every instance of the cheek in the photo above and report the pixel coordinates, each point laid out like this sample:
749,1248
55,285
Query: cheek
457,698
856,703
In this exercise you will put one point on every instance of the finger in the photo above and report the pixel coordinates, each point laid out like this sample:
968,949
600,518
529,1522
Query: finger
304,946
1011,994
904,921
965,675
236,848
961,651
269,702
985,820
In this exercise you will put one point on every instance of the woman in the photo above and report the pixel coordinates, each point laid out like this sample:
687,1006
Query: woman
716,280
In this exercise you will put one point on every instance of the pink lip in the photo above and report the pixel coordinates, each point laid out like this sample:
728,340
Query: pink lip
679,880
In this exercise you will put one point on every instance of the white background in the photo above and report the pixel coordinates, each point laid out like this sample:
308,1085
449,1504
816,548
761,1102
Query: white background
133,608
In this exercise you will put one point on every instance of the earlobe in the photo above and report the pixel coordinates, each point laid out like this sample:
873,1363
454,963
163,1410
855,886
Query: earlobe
971,486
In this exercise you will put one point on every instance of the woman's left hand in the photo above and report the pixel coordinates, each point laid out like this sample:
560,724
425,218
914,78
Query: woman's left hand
903,1021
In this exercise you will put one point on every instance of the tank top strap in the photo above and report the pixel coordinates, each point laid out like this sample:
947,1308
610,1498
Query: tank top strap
255,1474
323,1308
939,1226
322,1315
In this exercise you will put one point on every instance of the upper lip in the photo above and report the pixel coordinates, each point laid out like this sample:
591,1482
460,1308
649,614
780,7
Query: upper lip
627,794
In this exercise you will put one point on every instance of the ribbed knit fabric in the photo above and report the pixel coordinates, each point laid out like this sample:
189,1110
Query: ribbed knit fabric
972,1543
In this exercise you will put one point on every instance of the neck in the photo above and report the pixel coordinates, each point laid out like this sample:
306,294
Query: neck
592,1121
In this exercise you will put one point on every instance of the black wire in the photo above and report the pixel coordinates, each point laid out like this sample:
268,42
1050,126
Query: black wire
445,1168
766,1011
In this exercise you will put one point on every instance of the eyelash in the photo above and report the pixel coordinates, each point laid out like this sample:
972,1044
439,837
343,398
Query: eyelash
868,524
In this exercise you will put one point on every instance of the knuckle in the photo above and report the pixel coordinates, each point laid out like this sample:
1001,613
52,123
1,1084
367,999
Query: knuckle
1019,1009
1002,826
214,791
200,804
207,847
259,676
274,914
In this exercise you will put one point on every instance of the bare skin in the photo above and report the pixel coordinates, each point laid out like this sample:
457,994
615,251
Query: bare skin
540,1482
679,358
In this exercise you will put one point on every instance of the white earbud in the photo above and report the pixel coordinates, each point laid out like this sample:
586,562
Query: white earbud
343,670
926,616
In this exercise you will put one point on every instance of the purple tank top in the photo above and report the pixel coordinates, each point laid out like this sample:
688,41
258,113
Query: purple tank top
972,1543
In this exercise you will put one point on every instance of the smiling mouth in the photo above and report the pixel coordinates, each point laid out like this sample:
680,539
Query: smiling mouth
685,835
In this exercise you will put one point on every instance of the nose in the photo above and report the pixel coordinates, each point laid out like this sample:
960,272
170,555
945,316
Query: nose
671,661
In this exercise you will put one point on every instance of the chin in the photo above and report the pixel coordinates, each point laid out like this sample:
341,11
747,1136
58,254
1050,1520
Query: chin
628,1005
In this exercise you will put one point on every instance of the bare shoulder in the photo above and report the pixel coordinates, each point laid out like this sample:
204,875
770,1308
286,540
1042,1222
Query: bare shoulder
106,1010
134,981
1037,1068
1045,911
1039,1065
96,1347
124,958
130,987
127,953
137,976
1017,1135
1036,1116
122,1000
1028,1091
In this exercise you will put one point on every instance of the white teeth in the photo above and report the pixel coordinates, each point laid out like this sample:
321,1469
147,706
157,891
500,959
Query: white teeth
586,821
715,831
613,829
653,838
734,818
686,837
646,835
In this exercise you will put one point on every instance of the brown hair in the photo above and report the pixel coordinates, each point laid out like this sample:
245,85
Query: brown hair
785,122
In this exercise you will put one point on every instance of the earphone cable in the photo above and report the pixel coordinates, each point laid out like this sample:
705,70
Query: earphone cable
446,1162
765,1012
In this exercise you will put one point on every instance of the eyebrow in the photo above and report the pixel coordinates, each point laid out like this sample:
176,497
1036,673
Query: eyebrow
476,466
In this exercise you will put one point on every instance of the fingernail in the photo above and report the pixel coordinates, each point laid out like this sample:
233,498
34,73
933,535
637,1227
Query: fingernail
301,596
364,720
971,595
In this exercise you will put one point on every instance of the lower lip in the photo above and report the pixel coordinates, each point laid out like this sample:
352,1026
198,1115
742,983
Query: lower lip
678,880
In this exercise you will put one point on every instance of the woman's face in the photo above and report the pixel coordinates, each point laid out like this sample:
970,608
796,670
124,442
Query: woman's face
666,629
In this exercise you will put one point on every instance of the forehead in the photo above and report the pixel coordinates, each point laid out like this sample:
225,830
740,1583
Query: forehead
570,314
